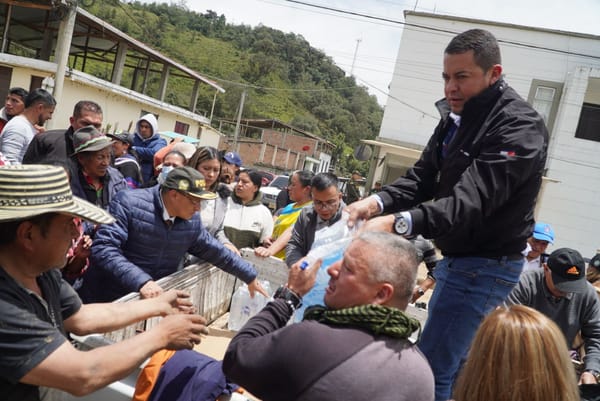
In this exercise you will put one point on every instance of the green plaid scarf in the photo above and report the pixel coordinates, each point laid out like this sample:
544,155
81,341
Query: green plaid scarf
377,319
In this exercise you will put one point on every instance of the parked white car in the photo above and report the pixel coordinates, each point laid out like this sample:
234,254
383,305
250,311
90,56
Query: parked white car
270,192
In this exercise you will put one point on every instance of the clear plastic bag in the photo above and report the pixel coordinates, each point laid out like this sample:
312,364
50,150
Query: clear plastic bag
329,245
243,307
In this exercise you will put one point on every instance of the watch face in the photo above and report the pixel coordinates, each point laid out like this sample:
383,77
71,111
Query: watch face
400,225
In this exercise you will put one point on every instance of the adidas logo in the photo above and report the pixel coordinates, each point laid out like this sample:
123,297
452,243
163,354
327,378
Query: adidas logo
573,270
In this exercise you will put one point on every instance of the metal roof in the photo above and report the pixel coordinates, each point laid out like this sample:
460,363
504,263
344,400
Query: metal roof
30,21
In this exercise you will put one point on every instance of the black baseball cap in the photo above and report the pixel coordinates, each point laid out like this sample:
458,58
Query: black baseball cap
125,137
190,181
568,270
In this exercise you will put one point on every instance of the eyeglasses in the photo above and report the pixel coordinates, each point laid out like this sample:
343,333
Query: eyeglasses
195,201
330,204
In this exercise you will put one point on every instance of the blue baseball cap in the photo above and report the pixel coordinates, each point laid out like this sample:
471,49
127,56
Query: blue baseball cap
233,158
543,232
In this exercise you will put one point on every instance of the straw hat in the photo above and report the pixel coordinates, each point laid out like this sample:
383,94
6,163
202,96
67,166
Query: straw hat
30,190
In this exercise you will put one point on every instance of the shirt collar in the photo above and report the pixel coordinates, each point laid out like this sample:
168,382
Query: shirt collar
165,213
456,118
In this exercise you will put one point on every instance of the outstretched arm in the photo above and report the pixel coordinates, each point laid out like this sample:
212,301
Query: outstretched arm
105,317
81,373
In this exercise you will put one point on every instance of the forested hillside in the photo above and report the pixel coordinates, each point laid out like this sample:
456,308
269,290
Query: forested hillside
285,78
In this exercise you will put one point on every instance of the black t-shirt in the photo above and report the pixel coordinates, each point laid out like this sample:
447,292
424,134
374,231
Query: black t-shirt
31,328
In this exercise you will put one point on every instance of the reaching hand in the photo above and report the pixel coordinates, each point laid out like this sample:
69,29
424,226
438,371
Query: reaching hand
382,223
175,301
254,286
262,252
362,210
301,281
150,290
182,331
83,248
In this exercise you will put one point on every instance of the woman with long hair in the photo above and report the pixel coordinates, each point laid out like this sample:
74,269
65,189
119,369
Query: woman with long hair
212,212
518,354
299,193
248,222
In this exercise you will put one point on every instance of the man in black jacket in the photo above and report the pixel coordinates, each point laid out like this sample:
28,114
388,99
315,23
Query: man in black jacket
58,144
473,191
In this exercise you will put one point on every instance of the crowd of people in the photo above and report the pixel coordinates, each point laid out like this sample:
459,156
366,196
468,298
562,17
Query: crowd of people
87,217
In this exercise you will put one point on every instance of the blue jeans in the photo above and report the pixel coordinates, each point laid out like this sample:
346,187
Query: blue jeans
466,289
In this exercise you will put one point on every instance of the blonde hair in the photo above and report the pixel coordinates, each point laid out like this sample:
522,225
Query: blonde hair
518,354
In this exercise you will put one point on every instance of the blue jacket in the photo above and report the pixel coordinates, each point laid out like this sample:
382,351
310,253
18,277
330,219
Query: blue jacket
146,148
139,247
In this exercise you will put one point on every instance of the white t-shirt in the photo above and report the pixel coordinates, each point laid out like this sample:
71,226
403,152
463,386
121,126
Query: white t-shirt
15,138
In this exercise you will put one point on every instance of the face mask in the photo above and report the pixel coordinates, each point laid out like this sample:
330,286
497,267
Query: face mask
164,172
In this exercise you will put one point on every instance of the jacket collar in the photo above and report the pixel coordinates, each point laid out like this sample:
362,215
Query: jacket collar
256,201
476,103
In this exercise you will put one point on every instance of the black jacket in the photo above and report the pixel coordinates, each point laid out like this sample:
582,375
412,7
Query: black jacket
50,145
483,193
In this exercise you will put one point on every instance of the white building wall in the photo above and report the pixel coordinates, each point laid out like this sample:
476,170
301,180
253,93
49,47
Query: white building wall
121,106
570,205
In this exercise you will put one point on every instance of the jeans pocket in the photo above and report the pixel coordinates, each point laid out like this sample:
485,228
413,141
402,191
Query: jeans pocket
464,269
498,293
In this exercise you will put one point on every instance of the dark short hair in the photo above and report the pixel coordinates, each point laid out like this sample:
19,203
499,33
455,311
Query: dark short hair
176,153
40,95
322,181
304,176
8,230
22,93
254,176
486,51
86,105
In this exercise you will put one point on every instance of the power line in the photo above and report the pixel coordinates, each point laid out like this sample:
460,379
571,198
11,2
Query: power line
392,21
398,100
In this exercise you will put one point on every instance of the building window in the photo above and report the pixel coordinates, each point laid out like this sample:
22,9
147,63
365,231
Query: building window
589,122
181,128
35,83
544,96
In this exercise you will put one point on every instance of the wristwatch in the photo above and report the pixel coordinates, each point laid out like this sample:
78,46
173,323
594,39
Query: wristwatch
293,300
400,225
594,373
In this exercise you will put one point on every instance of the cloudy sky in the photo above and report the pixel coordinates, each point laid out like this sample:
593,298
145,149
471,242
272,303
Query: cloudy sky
337,34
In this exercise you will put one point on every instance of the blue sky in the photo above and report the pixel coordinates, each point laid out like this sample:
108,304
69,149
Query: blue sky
337,34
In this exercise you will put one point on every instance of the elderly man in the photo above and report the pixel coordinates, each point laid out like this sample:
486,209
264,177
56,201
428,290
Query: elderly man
13,105
94,179
37,308
155,227
20,130
472,191
325,210
560,291
356,348
58,144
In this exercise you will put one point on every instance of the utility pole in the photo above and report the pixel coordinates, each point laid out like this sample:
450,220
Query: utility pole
354,59
239,118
